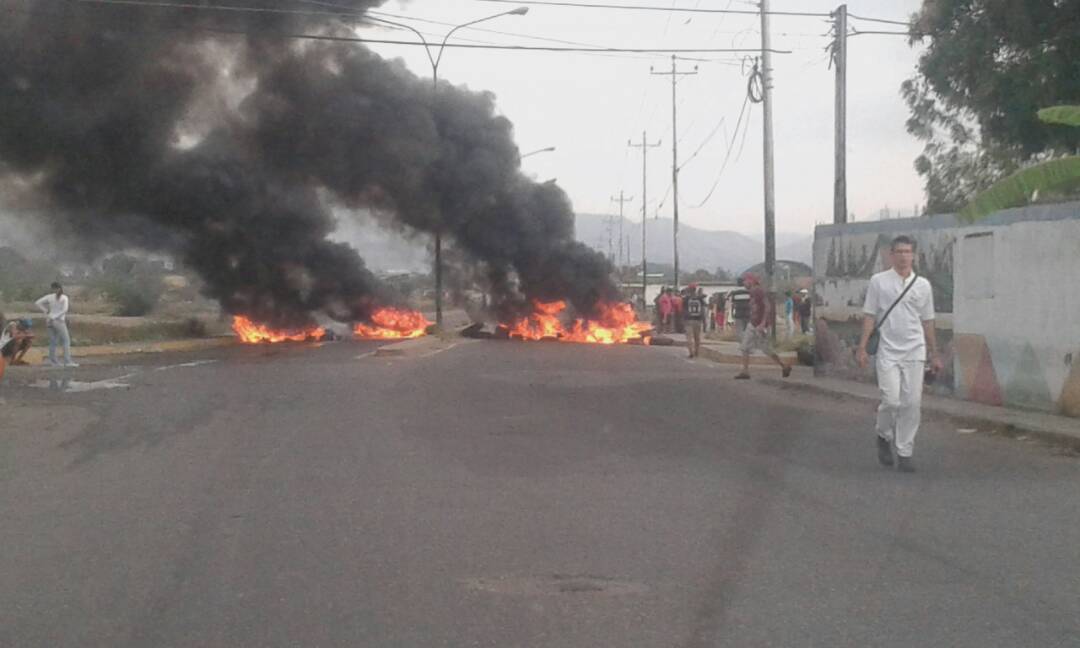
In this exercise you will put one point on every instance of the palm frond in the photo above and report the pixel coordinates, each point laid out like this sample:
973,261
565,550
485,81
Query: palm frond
1067,115
1017,189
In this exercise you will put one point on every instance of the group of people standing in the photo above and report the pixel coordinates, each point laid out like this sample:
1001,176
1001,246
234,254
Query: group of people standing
752,312
797,312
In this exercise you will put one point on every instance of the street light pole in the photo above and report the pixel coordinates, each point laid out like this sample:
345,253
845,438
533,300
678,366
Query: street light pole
435,61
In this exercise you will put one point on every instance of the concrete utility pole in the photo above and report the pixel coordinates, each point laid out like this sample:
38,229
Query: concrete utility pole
644,146
770,198
622,200
840,58
675,74
609,225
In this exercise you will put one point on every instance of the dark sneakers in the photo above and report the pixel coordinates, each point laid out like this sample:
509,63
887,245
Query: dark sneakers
884,451
906,465
787,370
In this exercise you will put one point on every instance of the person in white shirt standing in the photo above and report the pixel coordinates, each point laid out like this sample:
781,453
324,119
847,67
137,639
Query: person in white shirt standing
906,341
55,307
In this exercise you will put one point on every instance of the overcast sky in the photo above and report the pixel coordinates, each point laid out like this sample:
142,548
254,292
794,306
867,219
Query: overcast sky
589,105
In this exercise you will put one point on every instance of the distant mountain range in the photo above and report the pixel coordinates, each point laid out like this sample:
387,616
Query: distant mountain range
388,250
699,249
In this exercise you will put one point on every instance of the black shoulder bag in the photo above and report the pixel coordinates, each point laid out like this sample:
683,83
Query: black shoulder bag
874,340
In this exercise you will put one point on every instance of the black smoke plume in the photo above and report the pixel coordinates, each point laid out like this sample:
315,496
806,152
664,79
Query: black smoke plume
209,135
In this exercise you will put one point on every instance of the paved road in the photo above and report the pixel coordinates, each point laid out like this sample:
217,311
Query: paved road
501,494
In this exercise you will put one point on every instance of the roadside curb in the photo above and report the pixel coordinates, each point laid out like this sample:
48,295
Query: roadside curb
729,358
1016,424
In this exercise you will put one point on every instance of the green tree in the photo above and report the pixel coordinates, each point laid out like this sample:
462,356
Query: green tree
988,67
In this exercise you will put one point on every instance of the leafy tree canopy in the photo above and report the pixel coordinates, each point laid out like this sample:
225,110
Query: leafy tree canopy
989,66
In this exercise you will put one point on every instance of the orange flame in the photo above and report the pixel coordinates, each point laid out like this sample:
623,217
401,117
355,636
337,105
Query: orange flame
616,324
393,324
251,333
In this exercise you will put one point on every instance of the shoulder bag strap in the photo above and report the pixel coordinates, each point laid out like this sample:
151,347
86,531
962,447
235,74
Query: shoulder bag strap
886,315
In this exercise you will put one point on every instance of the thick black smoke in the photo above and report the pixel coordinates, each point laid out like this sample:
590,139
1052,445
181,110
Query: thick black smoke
166,129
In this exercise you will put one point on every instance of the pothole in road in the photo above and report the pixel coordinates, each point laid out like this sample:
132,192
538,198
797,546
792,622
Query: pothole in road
552,584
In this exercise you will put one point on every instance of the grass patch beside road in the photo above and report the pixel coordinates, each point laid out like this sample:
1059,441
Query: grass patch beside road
92,331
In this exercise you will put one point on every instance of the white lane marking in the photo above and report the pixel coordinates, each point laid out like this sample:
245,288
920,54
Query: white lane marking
197,363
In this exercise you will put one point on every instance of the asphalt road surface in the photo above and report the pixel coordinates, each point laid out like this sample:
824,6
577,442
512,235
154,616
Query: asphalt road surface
503,494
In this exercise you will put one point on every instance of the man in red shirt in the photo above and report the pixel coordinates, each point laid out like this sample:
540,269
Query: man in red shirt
664,303
756,335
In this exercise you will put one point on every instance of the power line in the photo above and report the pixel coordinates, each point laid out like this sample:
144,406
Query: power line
230,8
704,143
905,23
482,29
355,39
583,5
856,32
731,147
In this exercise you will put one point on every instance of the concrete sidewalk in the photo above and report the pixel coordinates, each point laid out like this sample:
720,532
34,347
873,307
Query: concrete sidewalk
966,415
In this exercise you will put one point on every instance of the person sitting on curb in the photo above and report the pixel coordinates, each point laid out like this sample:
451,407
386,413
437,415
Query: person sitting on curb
15,341
756,335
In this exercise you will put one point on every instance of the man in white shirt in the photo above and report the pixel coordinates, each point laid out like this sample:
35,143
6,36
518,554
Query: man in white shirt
55,307
906,337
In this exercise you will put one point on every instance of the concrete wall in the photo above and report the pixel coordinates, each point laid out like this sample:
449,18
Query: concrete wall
1007,292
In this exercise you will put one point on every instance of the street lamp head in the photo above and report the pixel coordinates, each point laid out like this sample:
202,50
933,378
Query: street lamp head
520,11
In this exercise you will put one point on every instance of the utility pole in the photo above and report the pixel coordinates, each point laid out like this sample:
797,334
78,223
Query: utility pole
839,53
609,225
622,200
675,74
770,198
644,146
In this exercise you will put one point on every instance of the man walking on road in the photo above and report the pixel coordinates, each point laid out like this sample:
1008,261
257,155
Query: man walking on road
55,307
906,334
756,335
696,310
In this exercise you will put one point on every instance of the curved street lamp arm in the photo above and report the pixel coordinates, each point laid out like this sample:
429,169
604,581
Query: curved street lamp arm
427,46
516,12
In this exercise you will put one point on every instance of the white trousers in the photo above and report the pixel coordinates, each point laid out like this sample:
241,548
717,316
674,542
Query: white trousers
58,333
901,385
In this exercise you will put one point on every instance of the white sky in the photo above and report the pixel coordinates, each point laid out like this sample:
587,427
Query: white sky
589,105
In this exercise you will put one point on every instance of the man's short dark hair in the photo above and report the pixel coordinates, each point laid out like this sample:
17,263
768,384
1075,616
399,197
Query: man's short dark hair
903,239
55,285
